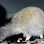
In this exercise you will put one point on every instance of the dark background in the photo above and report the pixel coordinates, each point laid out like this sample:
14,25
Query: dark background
13,6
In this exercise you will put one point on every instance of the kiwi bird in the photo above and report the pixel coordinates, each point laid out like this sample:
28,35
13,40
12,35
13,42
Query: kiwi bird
29,21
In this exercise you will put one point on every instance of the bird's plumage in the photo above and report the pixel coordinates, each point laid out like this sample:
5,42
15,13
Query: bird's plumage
29,21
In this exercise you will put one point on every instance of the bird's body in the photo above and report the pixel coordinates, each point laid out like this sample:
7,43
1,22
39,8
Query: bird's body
29,21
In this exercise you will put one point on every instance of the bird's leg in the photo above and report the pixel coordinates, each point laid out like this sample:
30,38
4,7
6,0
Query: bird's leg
41,36
27,37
